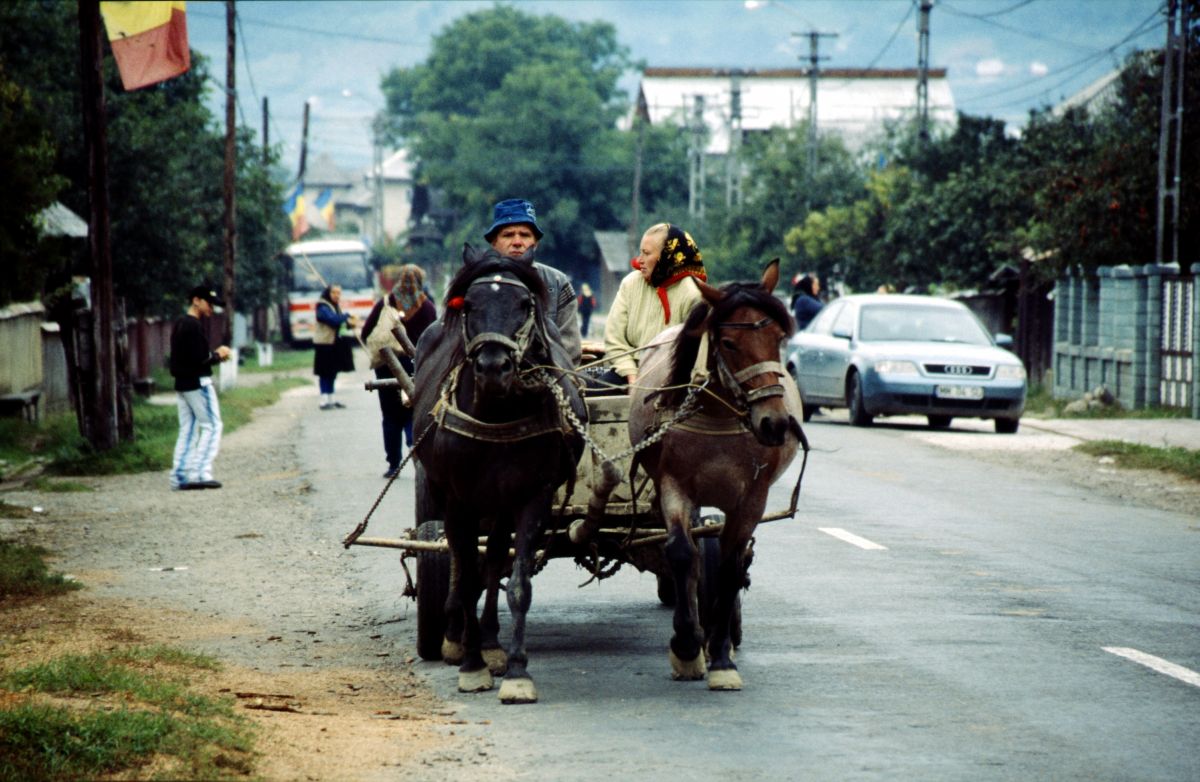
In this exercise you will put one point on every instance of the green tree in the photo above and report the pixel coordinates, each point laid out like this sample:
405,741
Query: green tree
488,119
27,160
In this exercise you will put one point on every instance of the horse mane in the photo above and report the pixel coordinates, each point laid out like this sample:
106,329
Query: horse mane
705,318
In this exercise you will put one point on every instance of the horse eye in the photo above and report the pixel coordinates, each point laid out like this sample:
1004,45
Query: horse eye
729,344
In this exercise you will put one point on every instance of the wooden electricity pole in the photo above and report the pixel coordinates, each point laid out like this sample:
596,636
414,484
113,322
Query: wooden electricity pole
230,169
97,383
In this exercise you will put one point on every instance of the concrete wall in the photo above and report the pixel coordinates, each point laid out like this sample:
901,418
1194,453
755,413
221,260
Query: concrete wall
1108,328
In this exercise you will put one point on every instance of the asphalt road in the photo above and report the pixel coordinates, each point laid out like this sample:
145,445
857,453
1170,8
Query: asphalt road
997,625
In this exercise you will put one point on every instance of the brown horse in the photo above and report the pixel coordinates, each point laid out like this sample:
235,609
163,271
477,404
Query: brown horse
743,435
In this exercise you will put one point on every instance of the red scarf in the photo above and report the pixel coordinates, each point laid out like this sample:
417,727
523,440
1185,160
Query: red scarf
662,290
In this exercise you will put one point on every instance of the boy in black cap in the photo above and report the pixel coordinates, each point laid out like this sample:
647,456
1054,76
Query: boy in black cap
515,234
199,411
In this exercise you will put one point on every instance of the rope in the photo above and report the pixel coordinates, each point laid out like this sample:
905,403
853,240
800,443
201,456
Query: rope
348,541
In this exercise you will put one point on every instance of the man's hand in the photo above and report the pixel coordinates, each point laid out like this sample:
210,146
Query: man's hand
223,353
632,382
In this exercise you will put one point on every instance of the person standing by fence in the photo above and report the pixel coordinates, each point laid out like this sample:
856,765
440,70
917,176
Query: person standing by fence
195,396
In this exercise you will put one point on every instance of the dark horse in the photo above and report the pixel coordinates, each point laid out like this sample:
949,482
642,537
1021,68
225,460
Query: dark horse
742,437
497,448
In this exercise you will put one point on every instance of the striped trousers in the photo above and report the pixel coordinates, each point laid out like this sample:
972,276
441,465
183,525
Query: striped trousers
199,434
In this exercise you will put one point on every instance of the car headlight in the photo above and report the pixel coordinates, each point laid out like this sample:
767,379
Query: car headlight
890,367
1010,372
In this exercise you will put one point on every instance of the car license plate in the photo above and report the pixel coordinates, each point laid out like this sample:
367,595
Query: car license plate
959,392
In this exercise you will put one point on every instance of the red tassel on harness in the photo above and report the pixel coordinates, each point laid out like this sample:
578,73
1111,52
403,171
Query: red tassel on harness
456,303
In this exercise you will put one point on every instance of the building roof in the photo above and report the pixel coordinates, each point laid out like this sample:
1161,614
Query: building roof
1102,92
853,102
323,172
615,250
58,220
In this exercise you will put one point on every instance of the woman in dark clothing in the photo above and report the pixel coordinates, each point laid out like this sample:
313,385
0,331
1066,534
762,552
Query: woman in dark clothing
410,306
331,354
805,304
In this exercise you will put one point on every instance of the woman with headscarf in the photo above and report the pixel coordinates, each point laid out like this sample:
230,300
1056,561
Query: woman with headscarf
331,354
409,306
660,293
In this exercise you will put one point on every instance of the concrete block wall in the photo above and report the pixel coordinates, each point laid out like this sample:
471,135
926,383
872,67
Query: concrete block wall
1108,331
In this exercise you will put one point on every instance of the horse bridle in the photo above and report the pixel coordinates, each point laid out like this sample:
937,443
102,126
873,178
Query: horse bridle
523,335
735,381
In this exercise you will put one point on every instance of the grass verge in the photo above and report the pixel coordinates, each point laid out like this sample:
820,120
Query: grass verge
57,444
107,714
1180,461
23,573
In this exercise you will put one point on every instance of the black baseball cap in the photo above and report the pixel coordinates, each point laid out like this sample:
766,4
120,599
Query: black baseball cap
208,293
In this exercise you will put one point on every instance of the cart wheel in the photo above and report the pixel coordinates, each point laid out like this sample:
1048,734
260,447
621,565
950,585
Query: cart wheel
666,591
433,587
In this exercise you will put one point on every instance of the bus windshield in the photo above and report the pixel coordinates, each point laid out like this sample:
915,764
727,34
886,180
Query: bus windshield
348,270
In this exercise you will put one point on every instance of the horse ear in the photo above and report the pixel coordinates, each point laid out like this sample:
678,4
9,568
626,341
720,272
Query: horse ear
711,295
770,276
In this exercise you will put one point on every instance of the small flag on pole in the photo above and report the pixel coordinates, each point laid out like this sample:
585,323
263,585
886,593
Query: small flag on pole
324,204
149,40
293,207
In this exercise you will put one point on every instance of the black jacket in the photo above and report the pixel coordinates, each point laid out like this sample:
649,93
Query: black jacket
191,358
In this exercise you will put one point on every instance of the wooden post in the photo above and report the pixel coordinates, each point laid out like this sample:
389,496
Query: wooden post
98,421
230,163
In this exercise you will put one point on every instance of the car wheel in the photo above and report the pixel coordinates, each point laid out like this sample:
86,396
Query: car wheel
808,409
1007,425
855,402
939,421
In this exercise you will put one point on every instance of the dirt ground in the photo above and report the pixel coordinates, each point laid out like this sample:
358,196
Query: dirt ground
248,575
253,576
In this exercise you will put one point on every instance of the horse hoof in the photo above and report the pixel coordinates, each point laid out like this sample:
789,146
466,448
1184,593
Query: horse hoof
497,661
452,652
689,670
475,681
578,532
514,691
726,679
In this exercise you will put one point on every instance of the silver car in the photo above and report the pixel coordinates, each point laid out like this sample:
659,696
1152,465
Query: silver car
903,355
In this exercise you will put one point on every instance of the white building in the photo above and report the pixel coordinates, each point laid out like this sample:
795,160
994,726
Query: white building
852,102
394,197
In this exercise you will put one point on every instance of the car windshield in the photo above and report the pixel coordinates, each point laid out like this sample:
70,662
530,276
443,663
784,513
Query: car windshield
895,323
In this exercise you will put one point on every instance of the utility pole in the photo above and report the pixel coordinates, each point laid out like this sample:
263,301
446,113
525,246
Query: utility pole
303,144
814,75
230,163
733,164
377,189
266,133
923,70
641,118
696,173
97,385
1170,136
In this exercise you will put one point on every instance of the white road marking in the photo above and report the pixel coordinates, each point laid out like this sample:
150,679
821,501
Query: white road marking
1186,675
851,538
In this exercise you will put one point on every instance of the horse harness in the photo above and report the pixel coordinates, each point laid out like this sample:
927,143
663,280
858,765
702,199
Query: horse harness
446,412
734,382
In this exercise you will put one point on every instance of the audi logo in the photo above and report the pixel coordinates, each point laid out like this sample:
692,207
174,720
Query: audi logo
958,369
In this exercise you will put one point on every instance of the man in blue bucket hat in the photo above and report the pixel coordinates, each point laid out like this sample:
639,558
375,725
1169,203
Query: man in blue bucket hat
515,234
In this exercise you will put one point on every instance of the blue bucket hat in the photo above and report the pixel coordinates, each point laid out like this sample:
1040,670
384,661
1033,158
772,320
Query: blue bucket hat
512,211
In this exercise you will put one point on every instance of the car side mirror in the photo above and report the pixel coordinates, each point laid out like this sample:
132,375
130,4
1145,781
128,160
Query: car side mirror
1004,340
841,333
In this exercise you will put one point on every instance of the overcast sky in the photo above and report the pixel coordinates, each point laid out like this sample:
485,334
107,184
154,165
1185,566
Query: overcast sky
1003,56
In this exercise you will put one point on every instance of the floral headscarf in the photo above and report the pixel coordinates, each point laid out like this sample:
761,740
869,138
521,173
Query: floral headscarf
680,257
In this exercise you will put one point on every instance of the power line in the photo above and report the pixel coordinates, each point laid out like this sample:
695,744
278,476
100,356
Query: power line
1017,30
1073,68
1001,12
324,33
892,39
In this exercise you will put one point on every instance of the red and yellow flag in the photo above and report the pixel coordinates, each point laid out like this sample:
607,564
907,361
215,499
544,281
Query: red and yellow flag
149,40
